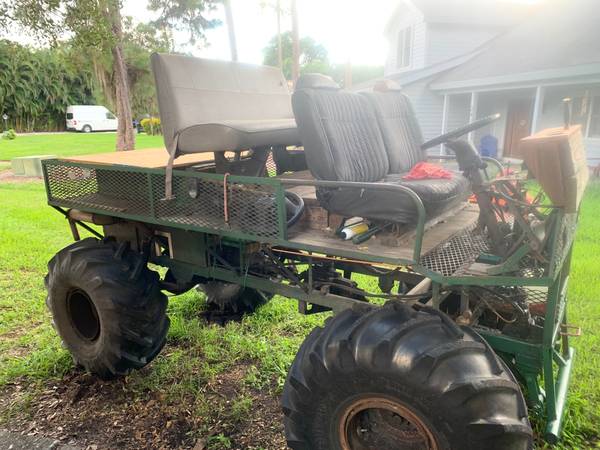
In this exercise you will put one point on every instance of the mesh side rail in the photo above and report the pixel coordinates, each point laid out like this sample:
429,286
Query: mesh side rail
454,255
253,206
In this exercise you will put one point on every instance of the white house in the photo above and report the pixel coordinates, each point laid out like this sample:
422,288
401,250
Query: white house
466,59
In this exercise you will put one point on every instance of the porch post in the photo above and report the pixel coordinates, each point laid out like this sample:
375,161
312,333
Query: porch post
444,120
473,113
537,108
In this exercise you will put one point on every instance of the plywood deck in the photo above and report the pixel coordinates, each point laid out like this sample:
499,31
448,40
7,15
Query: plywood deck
389,246
151,158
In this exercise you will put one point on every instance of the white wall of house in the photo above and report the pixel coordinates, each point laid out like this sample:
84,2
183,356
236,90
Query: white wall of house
550,115
407,19
586,106
445,41
428,107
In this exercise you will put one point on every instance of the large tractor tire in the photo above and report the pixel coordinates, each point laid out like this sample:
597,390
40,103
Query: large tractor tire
230,298
394,378
107,307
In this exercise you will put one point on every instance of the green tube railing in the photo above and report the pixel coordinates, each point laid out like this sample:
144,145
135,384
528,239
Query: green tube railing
421,214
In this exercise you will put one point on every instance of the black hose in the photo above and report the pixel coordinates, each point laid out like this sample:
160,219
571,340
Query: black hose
294,206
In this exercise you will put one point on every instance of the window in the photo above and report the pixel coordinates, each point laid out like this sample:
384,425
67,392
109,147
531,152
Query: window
110,115
594,124
580,111
69,116
404,47
586,112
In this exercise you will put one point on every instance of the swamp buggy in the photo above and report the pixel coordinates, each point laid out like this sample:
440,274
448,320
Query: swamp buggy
249,202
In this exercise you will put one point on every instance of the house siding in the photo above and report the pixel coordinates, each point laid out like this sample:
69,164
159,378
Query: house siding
428,108
552,114
407,18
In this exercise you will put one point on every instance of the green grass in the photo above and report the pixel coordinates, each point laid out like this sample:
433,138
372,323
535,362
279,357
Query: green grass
266,342
68,144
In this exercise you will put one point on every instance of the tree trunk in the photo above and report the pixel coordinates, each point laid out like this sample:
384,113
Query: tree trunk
279,43
296,44
231,30
125,131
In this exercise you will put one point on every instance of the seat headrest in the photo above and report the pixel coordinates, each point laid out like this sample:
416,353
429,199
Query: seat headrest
316,81
386,86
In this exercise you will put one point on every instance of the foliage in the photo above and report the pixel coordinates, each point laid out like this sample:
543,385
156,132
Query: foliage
36,86
360,73
9,135
187,16
315,59
139,43
312,54
151,126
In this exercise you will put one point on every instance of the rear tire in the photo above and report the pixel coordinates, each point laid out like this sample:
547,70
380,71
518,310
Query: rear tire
106,306
395,378
86,129
230,298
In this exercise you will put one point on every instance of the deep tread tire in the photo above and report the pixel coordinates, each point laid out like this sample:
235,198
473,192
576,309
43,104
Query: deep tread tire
130,308
448,376
232,298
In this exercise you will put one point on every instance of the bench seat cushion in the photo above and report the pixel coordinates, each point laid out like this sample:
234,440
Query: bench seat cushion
437,196
238,135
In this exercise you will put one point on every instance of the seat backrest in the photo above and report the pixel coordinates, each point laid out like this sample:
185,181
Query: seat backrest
194,91
399,126
339,132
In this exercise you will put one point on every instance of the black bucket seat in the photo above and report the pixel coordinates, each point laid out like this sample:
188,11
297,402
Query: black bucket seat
371,137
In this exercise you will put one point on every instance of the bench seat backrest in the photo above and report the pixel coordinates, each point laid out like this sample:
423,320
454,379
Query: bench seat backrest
195,91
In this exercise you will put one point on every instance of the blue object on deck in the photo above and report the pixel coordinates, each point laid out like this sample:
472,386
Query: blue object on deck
488,146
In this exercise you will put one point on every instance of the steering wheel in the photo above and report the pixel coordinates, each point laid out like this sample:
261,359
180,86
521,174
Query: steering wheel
458,132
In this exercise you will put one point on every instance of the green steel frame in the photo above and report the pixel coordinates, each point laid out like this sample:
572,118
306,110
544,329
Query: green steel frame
548,361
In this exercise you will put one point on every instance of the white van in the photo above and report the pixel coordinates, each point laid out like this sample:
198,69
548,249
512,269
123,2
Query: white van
89,118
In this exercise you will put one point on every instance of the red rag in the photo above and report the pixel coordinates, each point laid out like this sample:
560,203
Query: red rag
425,170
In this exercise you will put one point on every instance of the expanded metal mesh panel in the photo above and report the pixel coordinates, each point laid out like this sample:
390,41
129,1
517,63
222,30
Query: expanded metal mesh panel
199,202
251,208
454,255
566,234
103,189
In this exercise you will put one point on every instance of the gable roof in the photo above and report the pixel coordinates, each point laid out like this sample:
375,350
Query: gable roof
560,41
483,13
412,76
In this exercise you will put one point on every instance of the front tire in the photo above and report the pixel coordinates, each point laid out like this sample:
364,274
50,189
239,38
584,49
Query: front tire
107,306
395,378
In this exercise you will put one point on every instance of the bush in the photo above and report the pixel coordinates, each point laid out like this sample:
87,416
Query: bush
10,135
151,126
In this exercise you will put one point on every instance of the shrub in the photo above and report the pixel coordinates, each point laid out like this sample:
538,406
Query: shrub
151,125
10,135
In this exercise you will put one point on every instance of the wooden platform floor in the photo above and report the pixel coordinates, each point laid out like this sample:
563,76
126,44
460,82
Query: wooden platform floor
390,246
151,158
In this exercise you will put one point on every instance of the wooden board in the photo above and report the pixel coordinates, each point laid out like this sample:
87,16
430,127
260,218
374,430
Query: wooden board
151,158
437,232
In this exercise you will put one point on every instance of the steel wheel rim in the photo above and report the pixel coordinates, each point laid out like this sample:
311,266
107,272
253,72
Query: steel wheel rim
407,429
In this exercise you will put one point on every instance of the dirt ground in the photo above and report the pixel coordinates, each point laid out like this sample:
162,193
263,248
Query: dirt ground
7,176
86,412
